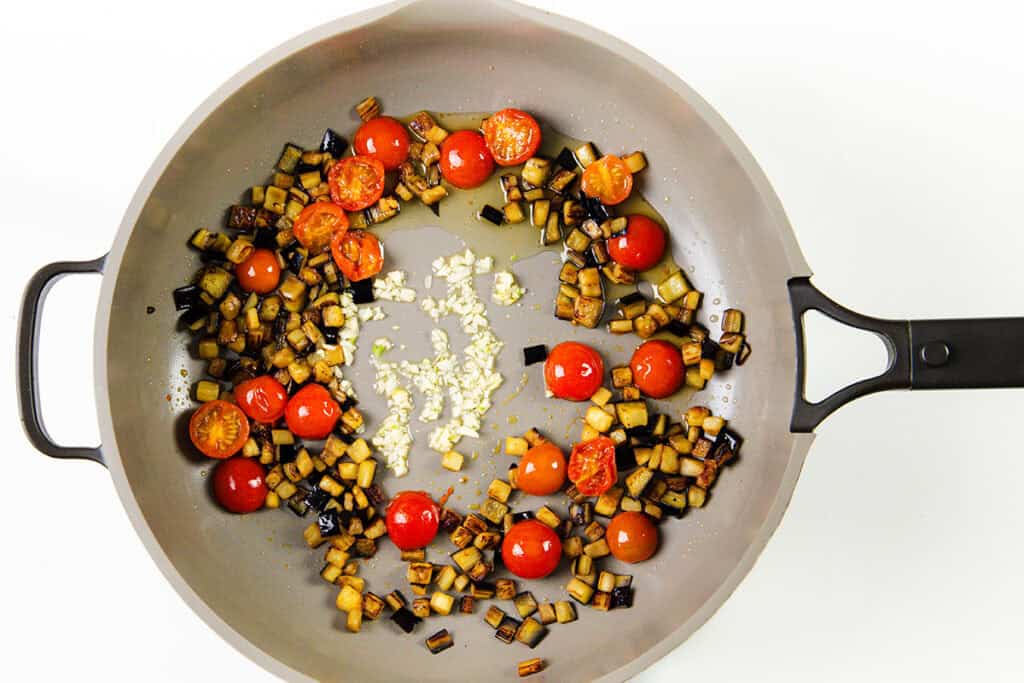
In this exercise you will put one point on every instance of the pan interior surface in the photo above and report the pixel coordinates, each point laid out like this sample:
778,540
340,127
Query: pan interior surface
254,572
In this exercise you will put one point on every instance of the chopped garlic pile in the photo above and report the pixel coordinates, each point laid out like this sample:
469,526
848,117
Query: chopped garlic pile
392,287
506,290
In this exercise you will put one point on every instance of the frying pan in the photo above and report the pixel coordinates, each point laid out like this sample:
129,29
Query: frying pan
247,576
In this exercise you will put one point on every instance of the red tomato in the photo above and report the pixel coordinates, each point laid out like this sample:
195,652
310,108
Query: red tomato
573,371
218,429
238,485
531,549
384,139
592,466
640,246
262,398
412,519
632,536
607,179
312,412
657,368
512,136
317,225
260,272
465,160
541,470
356,182
358,253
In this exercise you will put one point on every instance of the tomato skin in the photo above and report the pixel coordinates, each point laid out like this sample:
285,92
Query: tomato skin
356,182
512,136
358,253
238,485
260,272
592,466
608,179
218,429
412,519
632,537
262,398
384,139
317,224
657,368
541,470
573,371
640,246
312,412
465,160
531,549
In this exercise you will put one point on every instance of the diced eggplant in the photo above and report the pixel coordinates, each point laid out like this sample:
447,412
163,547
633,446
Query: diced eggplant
632,305
491,215
579,591
334,144
744,353
187,297
573,214
405,619
622,596
494,616
531,632
506,631
440,641
442,603
362,291
552,231
608,502
535,354
618,275
587,311
522,516
597,211
566,159
632,414
421,606
536,171
368,108
561,181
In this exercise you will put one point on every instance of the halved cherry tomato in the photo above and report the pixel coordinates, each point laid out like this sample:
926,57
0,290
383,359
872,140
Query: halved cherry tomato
657,368
260,272
512,136
218,429
592,466
317,225
541,470
262,398
465,160
358,253
384,139
239,486
608,179
573,371
632,536
531,549
640,246
412,519
356,182
312,412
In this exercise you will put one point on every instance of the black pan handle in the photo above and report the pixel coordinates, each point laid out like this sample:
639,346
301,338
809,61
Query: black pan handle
28,351
980,353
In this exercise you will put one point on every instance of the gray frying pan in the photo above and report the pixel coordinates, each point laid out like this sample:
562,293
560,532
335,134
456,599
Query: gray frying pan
251,578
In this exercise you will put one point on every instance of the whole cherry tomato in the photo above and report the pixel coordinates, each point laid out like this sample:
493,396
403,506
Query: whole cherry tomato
260,272
640,246
465,160
541,470
592,466
358,254
608,179
632,536
356,182
573,371
384,139
317,225
531,549
512,136
657,368
218,429
412,519
238,485
312,412
262,398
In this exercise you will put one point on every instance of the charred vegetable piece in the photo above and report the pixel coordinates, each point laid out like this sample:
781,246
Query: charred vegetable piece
491,215
531,632
535,354
405,619
334,144
440,641
507,629
494,616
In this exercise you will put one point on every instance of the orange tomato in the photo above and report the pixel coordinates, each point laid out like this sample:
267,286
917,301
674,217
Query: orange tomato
260,272
358,254
541,470
608,179
512,136
218,429
317,225
632,536
356,182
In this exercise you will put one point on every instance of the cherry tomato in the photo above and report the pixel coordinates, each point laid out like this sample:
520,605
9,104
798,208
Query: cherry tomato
412,519
356,182
312,412
260,272
512,136
573,371
657,368
238,485
262,398
384,139
541,470
607,179
531,549
317,225
465,160
218,429
358,253
632,536
592,466
640,246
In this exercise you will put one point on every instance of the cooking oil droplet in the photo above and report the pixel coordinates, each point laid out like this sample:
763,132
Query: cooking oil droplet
716,301
713,318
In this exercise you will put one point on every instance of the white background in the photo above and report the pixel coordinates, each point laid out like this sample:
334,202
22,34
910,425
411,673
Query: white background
892,133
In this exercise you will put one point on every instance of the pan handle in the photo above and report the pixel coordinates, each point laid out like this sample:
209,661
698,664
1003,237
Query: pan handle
28,351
